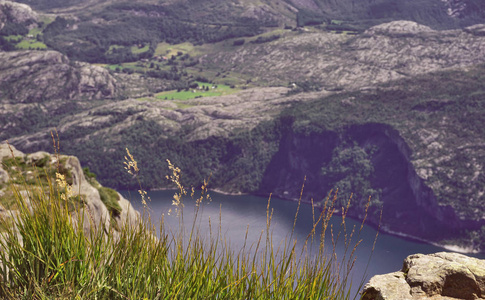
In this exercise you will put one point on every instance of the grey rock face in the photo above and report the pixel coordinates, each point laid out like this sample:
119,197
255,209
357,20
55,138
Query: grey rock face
16,13
441,275
36,76
383,53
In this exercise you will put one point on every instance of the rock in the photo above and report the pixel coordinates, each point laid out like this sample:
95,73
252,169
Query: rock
34,76
389,286
478,30
96,213
128,214
382,53
261,13
3,176
435,276
398,29
16,12
476,266
7,151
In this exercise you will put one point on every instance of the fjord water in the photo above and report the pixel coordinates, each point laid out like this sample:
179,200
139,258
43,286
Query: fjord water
237,214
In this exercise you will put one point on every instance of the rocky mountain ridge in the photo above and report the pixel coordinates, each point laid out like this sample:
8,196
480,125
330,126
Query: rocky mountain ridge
389,51
439,13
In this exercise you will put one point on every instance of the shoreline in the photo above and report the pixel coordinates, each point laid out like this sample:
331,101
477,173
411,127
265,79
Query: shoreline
227,193
448,247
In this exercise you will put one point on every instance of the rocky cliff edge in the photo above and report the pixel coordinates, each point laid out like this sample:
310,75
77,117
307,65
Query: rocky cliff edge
96,213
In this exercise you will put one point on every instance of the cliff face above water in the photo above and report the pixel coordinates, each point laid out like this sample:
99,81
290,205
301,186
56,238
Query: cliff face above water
376,159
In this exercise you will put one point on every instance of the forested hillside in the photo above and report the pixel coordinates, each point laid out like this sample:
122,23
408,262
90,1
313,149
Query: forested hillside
105,31
240,91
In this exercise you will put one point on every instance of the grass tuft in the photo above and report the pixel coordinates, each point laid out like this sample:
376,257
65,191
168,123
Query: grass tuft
45,256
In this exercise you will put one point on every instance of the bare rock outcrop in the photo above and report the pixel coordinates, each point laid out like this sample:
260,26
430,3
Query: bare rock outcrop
16,12
36,76
95,213
383,53
442,275
398,29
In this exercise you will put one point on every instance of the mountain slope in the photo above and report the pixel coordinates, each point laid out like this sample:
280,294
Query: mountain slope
363,113
385,52
263,141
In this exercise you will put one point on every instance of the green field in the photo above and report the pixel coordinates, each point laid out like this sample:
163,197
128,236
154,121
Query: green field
28,42
135,66
196,93
31,44
113,47
165,49
35,31
13,38
111,67
137,50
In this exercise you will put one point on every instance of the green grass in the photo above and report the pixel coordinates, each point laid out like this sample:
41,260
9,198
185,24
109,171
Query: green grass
337,22
35,31
165,49
133,66
31,44
112,67
137,50
28,43
13,38
190,94
45,257
113,47
185,95
110,198
33,174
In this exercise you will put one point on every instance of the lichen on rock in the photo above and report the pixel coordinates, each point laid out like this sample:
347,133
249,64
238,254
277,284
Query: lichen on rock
442,275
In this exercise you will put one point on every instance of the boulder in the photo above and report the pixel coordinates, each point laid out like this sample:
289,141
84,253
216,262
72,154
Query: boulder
441,275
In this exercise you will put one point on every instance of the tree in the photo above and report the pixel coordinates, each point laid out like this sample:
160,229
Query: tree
351,171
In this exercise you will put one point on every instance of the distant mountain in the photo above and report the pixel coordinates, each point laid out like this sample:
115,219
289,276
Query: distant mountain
438,14
96,31
399,49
